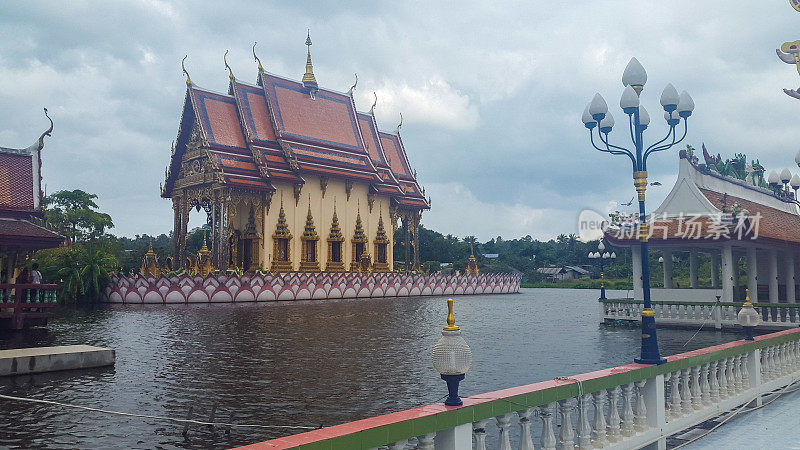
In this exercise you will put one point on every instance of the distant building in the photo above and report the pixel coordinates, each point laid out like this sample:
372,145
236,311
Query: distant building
491,255
556,274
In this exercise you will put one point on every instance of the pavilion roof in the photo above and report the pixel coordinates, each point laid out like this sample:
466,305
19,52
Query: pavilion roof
24,234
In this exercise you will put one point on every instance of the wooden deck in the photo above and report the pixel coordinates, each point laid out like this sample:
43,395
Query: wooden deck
23,305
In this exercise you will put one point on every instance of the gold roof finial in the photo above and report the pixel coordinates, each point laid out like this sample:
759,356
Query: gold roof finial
309,80
225,58
451,319
188,79
260,68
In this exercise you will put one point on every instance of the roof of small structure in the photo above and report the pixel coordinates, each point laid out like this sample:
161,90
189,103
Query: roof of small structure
707,207
280,129
21,233
550,270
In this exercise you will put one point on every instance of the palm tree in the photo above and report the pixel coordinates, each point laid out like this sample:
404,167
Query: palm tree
96,265
70,274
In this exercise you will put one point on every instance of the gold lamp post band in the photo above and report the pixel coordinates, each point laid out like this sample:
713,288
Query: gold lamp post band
648,312
640,181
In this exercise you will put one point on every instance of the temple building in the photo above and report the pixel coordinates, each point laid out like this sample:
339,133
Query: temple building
728,210
21,208
291,177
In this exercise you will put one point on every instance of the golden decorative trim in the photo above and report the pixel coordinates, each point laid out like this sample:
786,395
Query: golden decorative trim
451,318
648,312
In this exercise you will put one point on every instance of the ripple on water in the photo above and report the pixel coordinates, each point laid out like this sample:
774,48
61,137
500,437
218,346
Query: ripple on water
299,363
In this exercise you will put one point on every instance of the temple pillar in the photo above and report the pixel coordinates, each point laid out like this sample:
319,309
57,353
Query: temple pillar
773,275
667,265
407,243
789,277
752,273
693,269
215,229
184,206
636,260
715,281
224,218
417,216
176,231
727,273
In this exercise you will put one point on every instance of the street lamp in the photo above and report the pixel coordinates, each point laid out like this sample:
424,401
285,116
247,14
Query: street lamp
601,254
676,107
748,317
452,357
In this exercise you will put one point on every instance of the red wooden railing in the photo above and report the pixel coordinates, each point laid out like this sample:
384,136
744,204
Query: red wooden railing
20,302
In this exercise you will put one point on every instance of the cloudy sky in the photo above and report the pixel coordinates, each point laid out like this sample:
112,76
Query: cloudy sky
491,92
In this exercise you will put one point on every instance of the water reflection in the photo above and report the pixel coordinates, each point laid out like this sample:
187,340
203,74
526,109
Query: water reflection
299,363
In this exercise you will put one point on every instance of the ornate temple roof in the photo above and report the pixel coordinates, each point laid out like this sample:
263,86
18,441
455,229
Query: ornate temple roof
21,197
280,129
705,206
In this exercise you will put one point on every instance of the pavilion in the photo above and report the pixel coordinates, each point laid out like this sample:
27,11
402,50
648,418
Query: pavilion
291,177
21,207
729,211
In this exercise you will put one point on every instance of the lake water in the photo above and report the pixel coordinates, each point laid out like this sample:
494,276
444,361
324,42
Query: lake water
299,363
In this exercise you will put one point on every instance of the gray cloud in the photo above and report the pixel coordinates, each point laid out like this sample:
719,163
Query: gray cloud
491,92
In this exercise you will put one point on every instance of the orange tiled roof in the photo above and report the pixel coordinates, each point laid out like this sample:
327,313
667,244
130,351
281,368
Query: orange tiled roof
773,224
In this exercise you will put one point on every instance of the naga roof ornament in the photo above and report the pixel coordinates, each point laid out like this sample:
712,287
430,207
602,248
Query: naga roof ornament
372,108
188,79
260,67
353,87
225,59
397,131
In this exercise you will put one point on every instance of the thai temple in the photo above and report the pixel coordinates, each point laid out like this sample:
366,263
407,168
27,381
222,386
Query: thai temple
744,221
291,177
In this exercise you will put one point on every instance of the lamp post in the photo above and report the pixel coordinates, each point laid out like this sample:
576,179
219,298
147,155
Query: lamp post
596,116
748,317
601,254
452,357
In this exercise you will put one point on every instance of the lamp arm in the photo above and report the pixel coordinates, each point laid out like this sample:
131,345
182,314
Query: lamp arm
670,132
620,151
674,142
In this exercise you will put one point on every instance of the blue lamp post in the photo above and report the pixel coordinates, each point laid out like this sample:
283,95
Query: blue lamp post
596,116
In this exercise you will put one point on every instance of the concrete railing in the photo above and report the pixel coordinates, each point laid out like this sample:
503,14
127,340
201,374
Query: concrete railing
716,314
625,407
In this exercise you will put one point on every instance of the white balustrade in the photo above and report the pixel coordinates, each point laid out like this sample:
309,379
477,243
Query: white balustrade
633,414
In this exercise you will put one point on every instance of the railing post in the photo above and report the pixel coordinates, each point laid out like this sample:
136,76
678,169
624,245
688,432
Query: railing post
456,438
754,373
654,403
717,315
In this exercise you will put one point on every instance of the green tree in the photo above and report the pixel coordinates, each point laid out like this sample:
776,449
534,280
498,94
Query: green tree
95,264
75,214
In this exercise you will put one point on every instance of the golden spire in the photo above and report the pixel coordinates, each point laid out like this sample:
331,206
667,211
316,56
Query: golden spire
451,319
747,298
310,231
150,251
205,247
309,80
380,236
336,231
282,229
